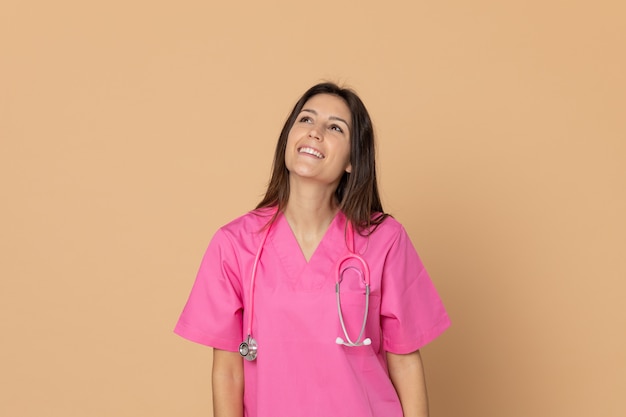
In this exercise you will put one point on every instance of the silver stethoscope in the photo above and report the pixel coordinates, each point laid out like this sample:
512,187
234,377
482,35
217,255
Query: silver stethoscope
248,348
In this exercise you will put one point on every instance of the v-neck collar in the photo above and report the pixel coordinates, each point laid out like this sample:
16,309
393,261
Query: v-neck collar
323,258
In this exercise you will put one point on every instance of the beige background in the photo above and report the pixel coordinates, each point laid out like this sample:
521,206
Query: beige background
131,130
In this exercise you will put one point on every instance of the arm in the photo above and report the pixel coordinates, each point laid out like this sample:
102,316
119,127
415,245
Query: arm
407,375
227,377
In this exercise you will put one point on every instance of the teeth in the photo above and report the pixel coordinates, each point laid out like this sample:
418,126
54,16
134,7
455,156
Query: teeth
311,151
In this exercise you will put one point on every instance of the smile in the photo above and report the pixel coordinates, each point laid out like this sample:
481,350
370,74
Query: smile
311,151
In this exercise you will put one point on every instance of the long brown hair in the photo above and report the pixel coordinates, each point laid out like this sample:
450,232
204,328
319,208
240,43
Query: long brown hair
357,192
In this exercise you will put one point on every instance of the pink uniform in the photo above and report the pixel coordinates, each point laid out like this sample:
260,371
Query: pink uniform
300,370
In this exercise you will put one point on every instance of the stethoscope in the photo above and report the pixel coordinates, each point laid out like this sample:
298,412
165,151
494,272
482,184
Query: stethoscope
248,348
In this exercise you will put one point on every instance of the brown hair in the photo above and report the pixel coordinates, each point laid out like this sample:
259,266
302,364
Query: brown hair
357,192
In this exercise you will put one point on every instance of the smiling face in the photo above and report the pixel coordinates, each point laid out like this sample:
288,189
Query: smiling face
318,145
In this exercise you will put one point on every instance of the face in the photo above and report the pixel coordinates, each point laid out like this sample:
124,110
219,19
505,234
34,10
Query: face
318,145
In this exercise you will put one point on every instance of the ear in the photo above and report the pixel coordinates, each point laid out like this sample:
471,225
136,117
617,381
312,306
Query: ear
349,168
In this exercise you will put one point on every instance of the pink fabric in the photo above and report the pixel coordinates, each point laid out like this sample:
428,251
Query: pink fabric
300,370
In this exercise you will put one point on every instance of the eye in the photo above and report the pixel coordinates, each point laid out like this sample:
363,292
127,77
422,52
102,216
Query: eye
305,119
336,128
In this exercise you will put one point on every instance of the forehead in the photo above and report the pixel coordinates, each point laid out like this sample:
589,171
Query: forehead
328,105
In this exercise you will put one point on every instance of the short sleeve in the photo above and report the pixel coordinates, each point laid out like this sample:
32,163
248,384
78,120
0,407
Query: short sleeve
213,313
412,314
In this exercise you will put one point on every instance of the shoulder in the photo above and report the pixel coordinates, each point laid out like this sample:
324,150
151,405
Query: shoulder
383,237
246,227
392,234
253,220
389,228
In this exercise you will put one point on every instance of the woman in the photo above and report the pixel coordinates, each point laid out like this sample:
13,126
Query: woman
271,277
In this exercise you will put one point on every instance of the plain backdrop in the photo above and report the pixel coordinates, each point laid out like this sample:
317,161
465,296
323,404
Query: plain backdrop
131,130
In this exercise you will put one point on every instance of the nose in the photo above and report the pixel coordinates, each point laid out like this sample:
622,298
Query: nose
314,132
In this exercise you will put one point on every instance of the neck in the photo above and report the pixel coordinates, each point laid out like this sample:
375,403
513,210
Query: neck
310,209
309,219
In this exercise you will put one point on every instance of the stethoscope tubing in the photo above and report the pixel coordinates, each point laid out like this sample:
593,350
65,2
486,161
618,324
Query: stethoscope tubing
248,348
253,278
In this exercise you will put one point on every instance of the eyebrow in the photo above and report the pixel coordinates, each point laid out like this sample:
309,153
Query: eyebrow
331,117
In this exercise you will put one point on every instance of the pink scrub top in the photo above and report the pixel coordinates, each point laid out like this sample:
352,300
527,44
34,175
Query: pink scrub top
300,370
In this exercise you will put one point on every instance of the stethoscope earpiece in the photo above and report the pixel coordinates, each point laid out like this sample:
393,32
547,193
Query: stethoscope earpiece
365,342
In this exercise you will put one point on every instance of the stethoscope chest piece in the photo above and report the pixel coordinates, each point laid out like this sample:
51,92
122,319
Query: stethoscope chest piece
248,348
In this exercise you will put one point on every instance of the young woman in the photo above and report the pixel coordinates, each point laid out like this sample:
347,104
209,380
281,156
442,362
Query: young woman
318,288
